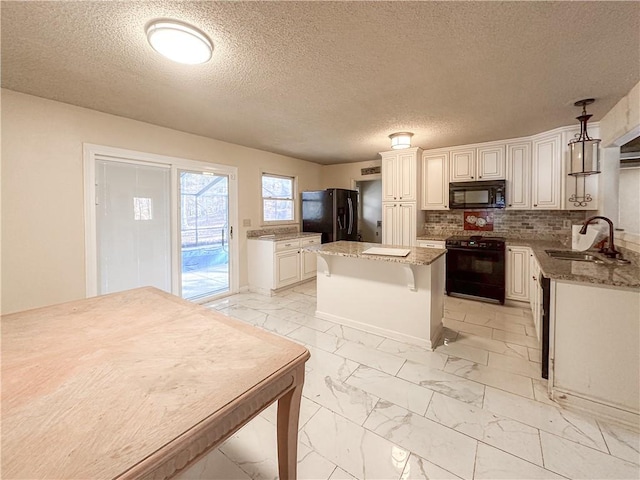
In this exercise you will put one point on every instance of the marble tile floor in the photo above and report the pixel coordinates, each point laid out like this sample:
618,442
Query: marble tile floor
376,408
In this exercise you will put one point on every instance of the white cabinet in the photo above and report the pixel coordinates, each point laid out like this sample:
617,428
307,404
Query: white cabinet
535,293
399,222
546,173
400,197
431,243
518,175
308,260
279,264
463,165
491,163
400,175
517,273
287,268
482,163
435,181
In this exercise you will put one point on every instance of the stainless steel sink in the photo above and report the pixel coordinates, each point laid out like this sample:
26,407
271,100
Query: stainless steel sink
573,255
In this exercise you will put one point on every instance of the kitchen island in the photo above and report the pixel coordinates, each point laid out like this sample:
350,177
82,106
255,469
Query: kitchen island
400,297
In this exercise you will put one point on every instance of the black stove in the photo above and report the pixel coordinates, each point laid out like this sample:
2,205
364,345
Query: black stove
476,267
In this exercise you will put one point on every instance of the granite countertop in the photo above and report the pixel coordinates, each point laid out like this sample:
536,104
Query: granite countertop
285,236
417,255
610,273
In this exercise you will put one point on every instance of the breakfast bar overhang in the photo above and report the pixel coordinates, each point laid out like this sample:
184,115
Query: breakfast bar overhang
401,297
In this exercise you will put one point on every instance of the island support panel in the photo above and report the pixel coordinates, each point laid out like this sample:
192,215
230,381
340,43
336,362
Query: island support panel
374,296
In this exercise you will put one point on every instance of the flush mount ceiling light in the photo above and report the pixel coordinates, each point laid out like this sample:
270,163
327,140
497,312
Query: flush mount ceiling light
585,151
179,42
400,140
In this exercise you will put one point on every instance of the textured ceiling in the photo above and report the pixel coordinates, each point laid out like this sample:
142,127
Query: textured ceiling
329,81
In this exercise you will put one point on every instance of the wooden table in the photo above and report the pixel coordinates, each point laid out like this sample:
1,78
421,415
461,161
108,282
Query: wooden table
138,384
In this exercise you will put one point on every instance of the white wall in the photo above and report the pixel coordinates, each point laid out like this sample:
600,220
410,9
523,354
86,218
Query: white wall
629,216
42,189
343,175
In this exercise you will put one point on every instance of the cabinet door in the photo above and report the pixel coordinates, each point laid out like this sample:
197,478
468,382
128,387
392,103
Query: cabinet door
308,265
389,178
517,270
435,181
287,268
406,231
389,223
545,184
518,175
491,165
463,165
407,177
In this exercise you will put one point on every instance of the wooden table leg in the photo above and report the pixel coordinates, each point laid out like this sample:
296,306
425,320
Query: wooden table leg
288,416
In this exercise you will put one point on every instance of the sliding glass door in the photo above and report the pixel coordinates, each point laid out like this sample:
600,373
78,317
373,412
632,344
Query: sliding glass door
133,228
204,234
159,221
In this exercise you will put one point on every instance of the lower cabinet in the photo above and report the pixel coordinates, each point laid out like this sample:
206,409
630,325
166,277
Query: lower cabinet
517,273
399,221
278,264
535,293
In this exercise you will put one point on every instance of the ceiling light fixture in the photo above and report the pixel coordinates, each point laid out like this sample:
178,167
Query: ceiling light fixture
179,41
585,151
400,140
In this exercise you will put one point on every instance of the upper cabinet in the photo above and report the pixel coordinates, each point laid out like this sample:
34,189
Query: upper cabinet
483,163
518,175
546,181
535,169
400,175
435,181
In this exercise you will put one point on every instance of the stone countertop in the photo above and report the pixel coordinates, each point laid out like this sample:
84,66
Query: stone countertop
610,273
285,236
417,255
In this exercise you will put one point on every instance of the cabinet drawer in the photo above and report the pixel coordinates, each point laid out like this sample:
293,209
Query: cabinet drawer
287,245
310,241
431,244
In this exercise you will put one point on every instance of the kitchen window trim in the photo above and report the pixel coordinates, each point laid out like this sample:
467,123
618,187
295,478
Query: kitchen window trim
294,199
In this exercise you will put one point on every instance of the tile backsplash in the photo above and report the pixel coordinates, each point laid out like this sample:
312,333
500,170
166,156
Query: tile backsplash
510,223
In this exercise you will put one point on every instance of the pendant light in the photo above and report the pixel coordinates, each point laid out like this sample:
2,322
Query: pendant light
400,140
585,151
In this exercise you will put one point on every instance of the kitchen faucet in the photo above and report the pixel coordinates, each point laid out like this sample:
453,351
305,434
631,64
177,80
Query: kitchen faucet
610,251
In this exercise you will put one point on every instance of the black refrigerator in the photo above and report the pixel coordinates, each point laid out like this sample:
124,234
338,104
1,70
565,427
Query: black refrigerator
332,212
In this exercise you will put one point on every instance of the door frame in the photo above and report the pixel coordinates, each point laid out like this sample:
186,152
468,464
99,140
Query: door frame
92,152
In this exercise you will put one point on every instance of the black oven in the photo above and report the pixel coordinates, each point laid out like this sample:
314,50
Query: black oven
476,267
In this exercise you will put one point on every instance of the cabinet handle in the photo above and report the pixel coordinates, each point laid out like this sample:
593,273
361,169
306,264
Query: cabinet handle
479,176
535,204
394,198
509,249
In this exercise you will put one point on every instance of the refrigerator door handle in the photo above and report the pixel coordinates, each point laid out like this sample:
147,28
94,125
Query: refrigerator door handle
350,214
339,223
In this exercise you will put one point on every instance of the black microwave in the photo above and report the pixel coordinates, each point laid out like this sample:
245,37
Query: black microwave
483,194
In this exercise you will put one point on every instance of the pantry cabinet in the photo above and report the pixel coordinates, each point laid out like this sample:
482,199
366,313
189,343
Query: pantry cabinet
435,181
400,175
277,264
399,222
518,175
482,163
546,182
517,273
401,171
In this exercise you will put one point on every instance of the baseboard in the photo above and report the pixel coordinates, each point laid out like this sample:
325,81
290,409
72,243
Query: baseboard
400,337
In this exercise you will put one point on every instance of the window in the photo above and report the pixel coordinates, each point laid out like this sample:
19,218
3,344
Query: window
277,198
